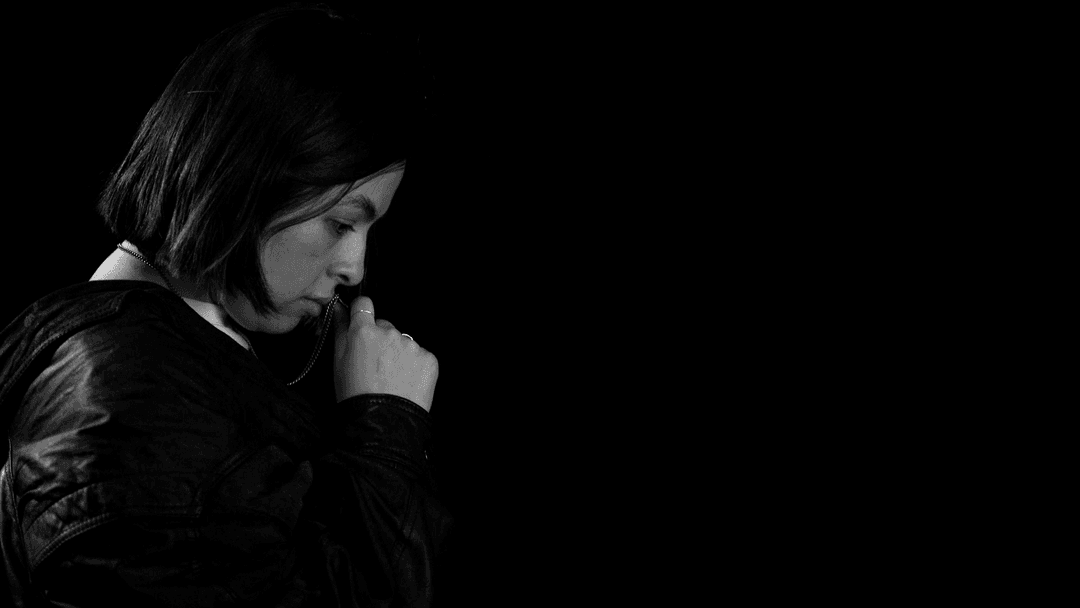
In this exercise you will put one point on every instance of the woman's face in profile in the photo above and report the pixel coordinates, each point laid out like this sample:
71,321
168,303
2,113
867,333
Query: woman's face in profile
305,262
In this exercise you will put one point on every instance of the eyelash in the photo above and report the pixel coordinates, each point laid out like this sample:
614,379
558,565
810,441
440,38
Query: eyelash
340,228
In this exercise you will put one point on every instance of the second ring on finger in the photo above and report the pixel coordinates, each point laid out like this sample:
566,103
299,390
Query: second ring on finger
387,324
403,334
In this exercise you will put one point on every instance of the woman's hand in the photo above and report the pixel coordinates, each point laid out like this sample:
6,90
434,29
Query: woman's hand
372,357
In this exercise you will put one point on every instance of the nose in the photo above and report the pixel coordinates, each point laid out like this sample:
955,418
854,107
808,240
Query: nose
348,262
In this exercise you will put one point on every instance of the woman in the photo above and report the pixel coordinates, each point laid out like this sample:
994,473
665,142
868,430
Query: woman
153,458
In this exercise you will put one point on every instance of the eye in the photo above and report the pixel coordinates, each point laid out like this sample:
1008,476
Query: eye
340,228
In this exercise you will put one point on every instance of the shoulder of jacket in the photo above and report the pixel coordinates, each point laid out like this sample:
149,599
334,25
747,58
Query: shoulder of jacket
26,342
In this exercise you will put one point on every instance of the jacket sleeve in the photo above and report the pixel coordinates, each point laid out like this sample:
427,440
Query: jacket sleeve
373,504
356,525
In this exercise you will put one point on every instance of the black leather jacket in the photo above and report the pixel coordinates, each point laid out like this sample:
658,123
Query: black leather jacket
153,461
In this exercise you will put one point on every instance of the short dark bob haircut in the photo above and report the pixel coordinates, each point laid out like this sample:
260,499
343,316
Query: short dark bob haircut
262,119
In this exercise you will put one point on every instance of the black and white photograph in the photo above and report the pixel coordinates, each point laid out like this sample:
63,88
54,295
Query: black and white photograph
300,307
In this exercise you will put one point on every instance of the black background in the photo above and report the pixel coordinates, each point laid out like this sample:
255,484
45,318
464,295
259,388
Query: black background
496,254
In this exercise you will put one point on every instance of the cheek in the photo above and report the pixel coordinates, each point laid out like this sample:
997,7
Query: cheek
292,259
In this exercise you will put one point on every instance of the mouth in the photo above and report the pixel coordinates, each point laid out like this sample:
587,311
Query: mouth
324,302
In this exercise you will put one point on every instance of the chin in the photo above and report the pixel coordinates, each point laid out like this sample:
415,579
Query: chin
280,324
275,324
283,323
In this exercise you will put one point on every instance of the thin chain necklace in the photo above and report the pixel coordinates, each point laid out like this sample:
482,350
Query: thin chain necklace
327,316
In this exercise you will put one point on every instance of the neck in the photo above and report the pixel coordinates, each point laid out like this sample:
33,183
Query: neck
121,265
130,265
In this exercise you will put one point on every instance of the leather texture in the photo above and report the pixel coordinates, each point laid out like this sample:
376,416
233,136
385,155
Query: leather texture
153,461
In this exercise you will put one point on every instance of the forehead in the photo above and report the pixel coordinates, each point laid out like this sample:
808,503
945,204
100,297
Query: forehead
371,195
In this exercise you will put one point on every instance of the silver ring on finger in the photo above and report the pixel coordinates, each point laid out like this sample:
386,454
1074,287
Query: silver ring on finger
407,336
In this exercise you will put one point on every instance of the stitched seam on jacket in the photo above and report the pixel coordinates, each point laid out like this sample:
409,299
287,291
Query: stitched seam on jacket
86,488
174,510
230,465
82,526
69,534
409,408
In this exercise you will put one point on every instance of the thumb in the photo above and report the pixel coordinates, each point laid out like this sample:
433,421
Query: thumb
344,314
340,313
342,321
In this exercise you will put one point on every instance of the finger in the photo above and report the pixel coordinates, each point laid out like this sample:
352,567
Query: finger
340,314
362,310
383,323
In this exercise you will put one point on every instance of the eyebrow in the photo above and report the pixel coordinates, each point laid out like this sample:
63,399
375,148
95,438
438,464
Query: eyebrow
365,204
